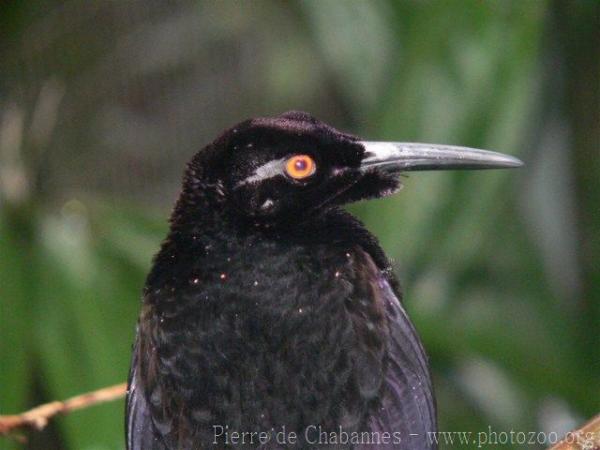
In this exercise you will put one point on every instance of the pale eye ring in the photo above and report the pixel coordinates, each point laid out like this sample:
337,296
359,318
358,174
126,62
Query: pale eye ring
300,167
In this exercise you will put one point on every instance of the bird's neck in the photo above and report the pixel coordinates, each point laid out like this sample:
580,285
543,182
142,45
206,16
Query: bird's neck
213,237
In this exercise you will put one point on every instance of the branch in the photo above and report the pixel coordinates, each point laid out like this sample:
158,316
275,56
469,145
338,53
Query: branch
37,418
585,438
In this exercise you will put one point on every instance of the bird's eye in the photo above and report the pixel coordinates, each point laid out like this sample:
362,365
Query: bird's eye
299,167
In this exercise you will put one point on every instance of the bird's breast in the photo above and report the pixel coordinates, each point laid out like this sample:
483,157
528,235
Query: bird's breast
262,335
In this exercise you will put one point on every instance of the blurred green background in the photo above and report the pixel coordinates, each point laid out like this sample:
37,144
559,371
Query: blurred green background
103,102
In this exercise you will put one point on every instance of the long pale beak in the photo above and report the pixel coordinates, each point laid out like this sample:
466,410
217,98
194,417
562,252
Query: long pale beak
408,156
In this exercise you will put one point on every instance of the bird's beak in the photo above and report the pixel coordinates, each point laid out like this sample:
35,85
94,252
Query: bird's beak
408,156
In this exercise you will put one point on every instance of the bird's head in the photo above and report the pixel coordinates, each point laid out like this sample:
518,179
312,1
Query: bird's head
287,168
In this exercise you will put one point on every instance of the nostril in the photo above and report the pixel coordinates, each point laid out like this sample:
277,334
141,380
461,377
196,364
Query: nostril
369,154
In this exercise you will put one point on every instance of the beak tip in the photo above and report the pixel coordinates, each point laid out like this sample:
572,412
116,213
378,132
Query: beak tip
512,162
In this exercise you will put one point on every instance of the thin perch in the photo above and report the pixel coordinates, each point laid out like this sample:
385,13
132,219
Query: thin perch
38,417
585,438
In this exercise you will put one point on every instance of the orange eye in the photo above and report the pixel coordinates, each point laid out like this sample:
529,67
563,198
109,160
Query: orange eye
300,166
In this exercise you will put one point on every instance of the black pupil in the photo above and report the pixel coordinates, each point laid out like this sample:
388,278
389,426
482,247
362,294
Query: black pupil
301,165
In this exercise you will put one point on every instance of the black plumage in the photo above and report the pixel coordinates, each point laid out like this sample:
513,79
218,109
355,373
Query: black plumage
270,309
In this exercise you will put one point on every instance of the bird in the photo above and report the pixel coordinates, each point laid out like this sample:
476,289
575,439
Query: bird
271,317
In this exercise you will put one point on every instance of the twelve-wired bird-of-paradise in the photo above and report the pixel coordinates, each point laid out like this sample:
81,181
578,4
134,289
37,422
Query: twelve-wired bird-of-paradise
271,317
